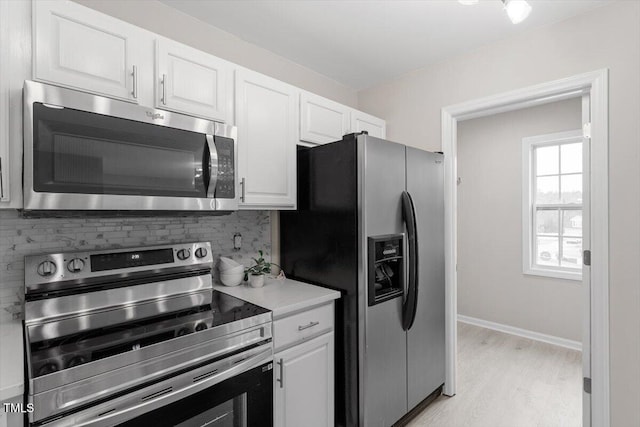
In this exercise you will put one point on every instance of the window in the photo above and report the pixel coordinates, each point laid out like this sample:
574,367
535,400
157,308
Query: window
552,205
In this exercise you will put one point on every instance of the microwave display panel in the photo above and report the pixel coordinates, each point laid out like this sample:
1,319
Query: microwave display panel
225,187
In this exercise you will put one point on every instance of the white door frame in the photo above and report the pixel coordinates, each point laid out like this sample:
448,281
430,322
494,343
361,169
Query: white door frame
596,85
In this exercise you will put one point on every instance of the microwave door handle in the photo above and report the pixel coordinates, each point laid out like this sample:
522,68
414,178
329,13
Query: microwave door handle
213,167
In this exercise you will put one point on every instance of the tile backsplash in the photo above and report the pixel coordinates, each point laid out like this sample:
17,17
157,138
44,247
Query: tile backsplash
26,236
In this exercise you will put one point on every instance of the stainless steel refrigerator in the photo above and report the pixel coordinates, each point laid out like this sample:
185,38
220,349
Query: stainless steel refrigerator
370,223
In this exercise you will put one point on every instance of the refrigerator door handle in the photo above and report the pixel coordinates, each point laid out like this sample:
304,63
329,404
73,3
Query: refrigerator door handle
410,304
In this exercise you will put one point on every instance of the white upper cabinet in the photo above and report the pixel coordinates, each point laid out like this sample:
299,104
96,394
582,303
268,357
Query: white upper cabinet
322,120
362,121
192,82
5,188
267,121
78,47
15,68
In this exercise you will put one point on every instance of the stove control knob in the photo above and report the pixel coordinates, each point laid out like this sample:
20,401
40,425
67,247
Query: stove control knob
184,254
47,268
48,368
201,252
75,265
201,327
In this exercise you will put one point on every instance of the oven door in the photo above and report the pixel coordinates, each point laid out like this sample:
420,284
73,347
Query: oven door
86,152
236,391
245,400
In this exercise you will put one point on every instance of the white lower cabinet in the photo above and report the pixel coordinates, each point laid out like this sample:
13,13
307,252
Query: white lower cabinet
9,418
267,122
304,384
304,368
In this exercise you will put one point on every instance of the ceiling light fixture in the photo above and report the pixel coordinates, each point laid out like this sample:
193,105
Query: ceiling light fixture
517,10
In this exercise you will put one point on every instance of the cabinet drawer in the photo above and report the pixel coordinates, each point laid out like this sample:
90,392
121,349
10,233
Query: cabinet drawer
298,327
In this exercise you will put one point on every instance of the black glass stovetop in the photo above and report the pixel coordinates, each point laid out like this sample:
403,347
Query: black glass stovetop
67,352
227,308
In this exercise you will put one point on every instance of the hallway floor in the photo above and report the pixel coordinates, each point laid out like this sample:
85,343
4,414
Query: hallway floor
509,381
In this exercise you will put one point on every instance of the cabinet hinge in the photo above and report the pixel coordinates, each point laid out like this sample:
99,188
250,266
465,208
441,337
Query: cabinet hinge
586,130
586,257
586,385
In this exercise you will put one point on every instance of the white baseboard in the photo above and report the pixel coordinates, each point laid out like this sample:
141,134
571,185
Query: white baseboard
512,330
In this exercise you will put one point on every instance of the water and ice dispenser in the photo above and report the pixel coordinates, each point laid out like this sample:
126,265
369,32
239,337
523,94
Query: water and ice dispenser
386,268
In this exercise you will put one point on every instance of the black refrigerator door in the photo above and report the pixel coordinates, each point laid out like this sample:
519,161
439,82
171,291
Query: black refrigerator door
411,301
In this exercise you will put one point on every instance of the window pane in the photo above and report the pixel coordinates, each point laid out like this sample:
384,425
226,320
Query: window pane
547,249
571,186
547,189
572,223
547,160
571,155
572,253
547,222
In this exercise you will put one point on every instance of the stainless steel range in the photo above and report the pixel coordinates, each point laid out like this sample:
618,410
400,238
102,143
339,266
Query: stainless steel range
138,337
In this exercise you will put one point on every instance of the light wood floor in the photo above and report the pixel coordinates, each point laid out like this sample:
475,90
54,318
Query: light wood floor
508,381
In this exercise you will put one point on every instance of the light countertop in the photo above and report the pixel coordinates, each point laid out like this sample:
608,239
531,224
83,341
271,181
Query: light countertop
282,297
11,360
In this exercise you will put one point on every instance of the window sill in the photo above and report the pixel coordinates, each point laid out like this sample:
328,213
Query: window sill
556,274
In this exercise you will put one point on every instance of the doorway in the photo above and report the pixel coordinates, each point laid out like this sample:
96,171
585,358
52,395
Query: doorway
592,89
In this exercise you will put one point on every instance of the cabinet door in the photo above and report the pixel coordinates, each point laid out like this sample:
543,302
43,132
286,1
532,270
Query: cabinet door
267,119
15,68
362,121
4,102
322,120
191,81
304,384
78,47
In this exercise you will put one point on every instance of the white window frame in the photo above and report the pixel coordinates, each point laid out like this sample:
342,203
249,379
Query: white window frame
528,193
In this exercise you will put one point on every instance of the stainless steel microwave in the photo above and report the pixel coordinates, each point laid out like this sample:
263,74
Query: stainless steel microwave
87,152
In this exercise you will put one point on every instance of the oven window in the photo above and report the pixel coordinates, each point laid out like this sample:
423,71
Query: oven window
80,152
245,400
232,413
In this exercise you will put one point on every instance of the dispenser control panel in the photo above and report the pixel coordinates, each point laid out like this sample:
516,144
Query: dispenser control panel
386,268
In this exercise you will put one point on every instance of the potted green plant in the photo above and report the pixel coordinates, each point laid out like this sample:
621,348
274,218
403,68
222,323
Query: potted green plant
256,272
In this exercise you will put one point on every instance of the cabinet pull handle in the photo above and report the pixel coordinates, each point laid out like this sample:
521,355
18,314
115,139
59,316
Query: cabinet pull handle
134,74
310,325
243,183
281,379
1,181
164,89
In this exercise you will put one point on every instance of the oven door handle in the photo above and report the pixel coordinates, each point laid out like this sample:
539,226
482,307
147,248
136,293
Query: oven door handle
213,167
166,392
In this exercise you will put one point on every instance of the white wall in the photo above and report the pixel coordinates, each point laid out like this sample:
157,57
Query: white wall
608,37
491,284
164,20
